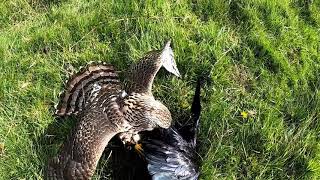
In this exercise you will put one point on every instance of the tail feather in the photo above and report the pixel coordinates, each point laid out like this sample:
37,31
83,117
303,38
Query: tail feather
84,86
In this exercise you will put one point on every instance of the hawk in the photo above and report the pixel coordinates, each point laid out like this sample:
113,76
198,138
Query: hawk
164,153
104,108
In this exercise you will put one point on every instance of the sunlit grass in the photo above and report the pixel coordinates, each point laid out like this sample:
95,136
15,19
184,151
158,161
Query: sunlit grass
262,57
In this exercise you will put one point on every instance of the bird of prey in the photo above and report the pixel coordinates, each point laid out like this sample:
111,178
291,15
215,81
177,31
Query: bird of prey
165,154
104,108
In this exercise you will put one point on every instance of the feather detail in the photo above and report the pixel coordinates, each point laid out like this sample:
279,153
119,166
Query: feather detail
84,86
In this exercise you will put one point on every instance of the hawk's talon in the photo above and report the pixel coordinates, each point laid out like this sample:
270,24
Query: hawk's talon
138,148
128,138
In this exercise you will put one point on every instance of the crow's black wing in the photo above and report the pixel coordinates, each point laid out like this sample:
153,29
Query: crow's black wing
126,163
190,128
169,155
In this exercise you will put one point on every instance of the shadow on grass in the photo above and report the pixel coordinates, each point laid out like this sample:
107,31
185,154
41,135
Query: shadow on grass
45,3
297,166
303,7
264,56
48,144
238,15
260,53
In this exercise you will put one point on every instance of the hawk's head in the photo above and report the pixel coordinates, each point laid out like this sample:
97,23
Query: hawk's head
144,113
158,114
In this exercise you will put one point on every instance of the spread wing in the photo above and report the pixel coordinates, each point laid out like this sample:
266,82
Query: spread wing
83,87
82,150
141,75
92,93
190,128
173,158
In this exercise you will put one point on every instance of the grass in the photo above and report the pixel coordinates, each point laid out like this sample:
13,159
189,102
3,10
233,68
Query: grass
261,55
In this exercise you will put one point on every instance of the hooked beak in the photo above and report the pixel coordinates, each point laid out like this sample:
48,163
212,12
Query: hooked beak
168,61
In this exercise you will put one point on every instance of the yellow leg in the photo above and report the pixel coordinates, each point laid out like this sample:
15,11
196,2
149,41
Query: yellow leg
138,148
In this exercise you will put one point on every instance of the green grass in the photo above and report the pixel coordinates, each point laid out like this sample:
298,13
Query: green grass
263,57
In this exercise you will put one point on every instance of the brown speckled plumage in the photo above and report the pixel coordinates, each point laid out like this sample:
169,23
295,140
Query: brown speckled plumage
141,75
103,109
